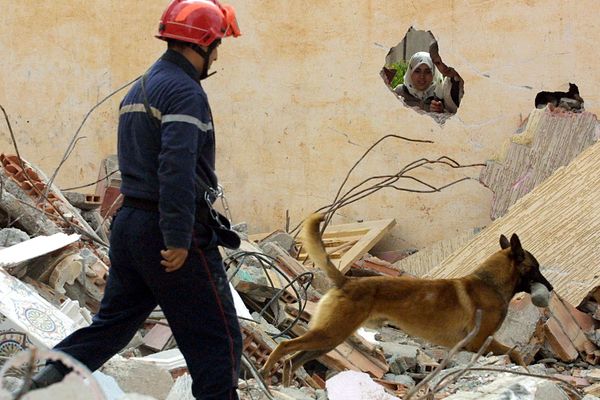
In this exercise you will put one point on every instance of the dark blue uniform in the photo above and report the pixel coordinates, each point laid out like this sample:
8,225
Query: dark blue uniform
163,161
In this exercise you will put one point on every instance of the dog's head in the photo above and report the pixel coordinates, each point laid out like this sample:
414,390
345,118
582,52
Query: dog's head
526,264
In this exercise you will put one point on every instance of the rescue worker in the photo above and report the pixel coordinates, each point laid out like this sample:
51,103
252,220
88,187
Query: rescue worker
163,244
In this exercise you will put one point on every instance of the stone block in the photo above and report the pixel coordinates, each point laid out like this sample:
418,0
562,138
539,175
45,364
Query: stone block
520,327
401,357
281,238
12,236
139,377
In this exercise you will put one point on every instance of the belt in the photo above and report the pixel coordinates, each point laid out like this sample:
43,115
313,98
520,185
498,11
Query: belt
202,213
226,237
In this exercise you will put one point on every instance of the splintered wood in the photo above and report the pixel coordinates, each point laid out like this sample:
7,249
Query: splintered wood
346,243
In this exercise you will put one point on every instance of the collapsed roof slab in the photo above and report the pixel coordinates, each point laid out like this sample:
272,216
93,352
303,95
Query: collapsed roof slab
558,222
423,261
548,140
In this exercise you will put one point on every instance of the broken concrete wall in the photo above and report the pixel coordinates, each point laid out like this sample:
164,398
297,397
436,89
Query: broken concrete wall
298,98
558,222
549,140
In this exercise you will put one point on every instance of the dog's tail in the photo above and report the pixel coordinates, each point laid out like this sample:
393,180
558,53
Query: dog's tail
316,249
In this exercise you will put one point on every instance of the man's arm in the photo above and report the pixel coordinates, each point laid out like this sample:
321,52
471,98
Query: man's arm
180,136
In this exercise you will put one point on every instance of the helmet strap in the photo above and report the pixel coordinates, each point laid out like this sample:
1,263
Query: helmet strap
205,54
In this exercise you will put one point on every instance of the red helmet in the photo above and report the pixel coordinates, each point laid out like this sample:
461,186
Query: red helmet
198,21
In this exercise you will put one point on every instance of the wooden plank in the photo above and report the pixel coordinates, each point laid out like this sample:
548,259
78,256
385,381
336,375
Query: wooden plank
334,252
337,241
376,231
364,234
336,233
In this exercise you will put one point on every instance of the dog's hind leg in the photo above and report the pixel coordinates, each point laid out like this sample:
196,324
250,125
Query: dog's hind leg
312,340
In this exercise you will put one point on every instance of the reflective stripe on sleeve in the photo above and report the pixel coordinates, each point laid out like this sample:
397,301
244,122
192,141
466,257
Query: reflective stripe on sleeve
203,126
138,107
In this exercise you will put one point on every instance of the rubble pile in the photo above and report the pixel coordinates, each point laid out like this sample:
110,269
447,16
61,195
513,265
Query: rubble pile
54,265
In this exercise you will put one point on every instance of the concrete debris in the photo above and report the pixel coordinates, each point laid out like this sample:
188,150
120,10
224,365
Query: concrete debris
80,315
109,386
352,385
71,388
282,239
182,389
48,294
512,387
11,236
170,360
402,380
83,201
401,357
32,248
570,104
40,209
522,327
139,377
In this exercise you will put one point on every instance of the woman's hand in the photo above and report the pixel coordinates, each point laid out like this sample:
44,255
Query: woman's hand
173,258
436,106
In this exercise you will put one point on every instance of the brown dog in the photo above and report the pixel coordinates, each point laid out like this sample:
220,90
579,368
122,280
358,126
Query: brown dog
441,311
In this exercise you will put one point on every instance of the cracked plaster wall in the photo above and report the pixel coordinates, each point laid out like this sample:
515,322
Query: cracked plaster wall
298,98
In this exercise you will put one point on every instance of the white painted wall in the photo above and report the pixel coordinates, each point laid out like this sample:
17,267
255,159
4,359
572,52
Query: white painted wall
298,98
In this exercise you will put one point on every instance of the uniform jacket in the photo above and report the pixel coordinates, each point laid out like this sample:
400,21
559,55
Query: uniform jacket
164,158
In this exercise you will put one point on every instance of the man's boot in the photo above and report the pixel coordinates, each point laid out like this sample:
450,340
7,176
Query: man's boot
47,376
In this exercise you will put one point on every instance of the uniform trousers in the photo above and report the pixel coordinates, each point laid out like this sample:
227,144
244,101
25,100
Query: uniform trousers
195,299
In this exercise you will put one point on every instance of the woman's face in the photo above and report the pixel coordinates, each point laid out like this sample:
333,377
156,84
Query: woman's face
422,77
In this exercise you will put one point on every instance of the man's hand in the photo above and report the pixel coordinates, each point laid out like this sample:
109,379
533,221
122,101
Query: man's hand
173,258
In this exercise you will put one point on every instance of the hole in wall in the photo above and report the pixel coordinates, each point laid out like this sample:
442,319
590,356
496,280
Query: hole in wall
416,73
569,100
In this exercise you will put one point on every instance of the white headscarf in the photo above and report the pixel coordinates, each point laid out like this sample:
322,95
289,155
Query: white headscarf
419,58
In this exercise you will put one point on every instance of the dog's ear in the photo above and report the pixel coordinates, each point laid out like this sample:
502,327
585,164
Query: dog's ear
516,248
504,243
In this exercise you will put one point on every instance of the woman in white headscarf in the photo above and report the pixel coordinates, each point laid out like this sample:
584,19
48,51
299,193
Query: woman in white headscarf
424,86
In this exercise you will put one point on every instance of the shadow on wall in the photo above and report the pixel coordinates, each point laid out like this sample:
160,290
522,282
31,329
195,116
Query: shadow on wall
415,73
